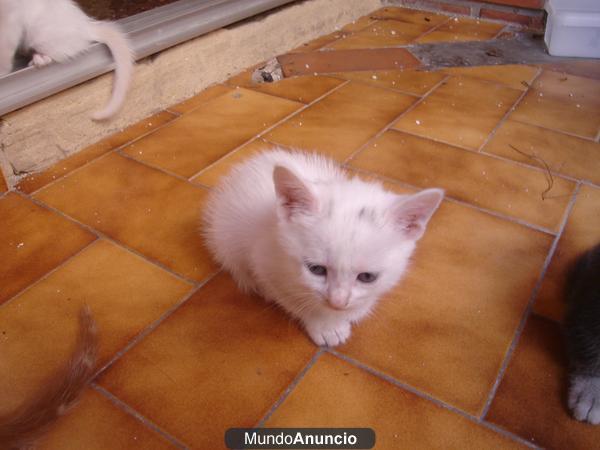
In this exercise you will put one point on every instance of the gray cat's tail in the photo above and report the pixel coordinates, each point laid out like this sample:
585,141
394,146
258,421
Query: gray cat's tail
56,395
109,34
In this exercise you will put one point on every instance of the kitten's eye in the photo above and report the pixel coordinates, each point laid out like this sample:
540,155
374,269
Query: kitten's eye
366,277
315,269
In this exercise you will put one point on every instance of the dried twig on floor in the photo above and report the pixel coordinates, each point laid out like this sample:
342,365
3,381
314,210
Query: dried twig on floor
549,177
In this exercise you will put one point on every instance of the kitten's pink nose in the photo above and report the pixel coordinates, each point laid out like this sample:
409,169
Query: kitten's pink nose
339,299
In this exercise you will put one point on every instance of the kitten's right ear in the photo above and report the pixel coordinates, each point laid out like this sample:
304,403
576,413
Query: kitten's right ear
412,213
293,196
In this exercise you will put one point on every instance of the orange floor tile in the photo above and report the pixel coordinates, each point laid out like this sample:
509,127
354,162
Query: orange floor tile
531,398
464,353
463,111
385,33
462,29
581,232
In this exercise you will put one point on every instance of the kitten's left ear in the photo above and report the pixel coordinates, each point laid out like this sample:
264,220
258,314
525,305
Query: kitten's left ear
293,195
412,214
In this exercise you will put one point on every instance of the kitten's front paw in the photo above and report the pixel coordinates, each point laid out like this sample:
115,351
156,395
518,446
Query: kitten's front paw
329,335
584,399
40,60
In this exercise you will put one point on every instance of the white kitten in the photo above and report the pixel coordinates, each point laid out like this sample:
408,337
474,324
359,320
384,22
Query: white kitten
57,30
296,229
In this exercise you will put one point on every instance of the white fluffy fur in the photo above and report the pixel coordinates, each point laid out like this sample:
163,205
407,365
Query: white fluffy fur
57,30
280,210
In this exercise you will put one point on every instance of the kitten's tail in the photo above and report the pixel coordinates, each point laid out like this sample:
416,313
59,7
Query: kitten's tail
109,34
56,395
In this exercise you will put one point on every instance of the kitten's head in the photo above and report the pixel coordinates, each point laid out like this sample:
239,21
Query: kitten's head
350,240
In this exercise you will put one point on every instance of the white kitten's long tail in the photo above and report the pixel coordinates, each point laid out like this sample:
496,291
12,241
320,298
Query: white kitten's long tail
109,34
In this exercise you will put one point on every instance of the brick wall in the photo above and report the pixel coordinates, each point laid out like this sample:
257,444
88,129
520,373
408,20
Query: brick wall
528,13
530,4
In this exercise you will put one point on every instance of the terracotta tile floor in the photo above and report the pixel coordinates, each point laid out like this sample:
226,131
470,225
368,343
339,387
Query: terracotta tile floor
464,353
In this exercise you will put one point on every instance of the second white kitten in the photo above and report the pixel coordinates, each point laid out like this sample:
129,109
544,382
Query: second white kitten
58,30
294,228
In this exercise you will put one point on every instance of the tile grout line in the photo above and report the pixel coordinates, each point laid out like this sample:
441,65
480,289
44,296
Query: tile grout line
270,142
389,126
378,86
411,42
448,19
203,102
505,28
270,128
590,184
235,87
122,245
68,174
492,155
154,325
460,202
564,176
177,113
566,133
49,273
112,150
510,110
342,36
469,77
117,402
261,134
290,388
153,167
504,432
202,185
421,394
447,14
530,304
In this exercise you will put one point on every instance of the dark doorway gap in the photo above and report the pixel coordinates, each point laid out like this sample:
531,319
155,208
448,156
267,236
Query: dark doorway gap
118,9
